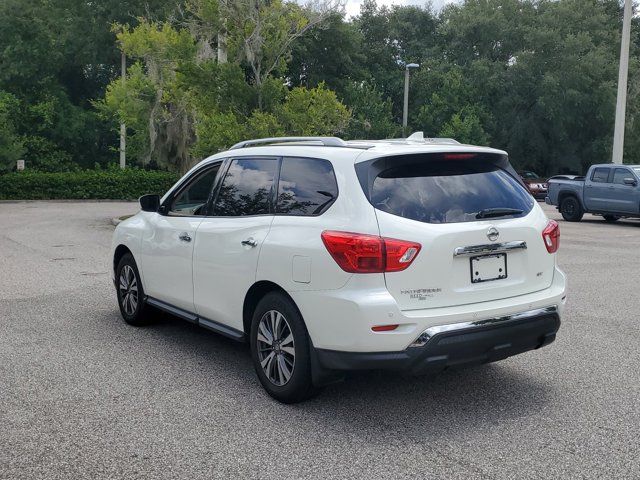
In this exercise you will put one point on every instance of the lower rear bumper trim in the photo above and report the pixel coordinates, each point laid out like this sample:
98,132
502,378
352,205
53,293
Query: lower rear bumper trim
460,344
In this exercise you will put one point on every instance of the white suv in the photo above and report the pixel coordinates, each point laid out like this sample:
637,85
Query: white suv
329,256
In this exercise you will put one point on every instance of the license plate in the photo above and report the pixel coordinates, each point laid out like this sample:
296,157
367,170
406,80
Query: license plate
488,267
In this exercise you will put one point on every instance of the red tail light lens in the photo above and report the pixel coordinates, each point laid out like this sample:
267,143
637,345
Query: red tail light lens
551,236
399,254
360,253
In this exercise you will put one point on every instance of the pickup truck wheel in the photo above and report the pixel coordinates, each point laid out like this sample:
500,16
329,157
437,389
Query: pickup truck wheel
611,218
571,209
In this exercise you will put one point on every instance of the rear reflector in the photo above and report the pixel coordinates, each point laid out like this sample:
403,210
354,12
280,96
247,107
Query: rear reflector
384,328
361,253
551,236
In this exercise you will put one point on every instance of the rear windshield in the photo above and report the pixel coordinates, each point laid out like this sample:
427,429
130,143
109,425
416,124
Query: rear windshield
450,192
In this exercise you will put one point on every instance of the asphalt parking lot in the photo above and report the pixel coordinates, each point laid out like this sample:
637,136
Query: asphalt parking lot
83,395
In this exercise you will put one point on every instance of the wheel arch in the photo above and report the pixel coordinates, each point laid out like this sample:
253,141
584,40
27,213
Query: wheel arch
119,252
566,194
255,293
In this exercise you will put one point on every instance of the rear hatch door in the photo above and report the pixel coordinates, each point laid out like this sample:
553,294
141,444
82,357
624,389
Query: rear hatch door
480,230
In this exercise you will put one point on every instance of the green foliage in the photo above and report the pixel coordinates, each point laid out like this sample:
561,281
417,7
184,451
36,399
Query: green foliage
316,111
534,77
216,131
112,183
11,146
263,125
372,117
57,58
466,128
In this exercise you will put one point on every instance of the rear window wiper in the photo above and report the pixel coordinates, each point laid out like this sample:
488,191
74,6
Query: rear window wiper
498,212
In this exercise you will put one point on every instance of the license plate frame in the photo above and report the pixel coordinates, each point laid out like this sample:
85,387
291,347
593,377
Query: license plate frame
488,268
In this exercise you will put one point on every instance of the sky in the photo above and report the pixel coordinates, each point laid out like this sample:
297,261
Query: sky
353,6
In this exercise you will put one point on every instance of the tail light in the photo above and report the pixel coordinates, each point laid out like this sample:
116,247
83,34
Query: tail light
458,156
360,253
551,236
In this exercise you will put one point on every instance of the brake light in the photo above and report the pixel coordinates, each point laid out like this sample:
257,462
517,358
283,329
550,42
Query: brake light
361,253
458,156
551,236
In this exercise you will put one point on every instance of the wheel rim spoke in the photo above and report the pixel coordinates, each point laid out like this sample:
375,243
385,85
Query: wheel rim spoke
290,350
264,335
283,370
267,361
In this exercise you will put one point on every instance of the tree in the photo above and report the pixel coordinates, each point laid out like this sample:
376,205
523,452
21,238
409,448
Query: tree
262,33
11,146
315,111
372,117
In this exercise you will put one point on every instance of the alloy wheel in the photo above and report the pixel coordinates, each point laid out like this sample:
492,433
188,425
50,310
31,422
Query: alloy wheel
276,349
128,290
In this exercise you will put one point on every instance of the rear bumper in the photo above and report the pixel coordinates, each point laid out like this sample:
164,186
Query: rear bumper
342,320
457,344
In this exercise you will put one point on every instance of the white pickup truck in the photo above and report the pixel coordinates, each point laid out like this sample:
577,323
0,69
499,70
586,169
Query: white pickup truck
609,190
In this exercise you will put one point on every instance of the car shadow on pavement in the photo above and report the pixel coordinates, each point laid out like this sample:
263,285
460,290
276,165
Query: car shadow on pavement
368,402
431,406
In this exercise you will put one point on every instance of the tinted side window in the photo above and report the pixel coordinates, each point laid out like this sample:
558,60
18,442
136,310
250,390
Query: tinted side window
447,192
192,199
600,175
620,174
307,186
246,188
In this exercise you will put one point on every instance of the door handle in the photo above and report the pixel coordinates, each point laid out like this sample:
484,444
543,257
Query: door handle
184,236
249,242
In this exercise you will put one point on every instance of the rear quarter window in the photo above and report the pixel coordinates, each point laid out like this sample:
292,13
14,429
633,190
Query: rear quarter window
307,187
448,191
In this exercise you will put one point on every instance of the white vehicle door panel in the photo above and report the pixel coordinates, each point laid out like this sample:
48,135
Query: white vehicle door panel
166,251
228,243
166,260
224,267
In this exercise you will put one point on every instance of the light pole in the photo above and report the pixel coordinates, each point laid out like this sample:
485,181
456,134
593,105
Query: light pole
621,103
405,110
123,127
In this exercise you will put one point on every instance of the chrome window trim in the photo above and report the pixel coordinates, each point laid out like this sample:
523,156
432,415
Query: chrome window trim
430,332
489,248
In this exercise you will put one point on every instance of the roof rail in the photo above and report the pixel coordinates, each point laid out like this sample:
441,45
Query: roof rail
325,141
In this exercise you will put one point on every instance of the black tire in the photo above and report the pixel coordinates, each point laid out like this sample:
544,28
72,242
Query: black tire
571,209
131,298
611,218
298,386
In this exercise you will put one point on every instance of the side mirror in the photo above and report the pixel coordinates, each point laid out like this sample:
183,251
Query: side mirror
630,181
149,203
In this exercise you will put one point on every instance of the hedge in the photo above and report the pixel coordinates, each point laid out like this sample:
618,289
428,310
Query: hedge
114,184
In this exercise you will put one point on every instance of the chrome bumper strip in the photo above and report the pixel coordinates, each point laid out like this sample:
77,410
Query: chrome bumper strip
490,248
433,331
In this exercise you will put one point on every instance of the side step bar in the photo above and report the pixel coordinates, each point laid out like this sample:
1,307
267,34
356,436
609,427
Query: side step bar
217,327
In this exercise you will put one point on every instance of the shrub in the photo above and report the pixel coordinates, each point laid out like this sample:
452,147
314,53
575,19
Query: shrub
113,184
